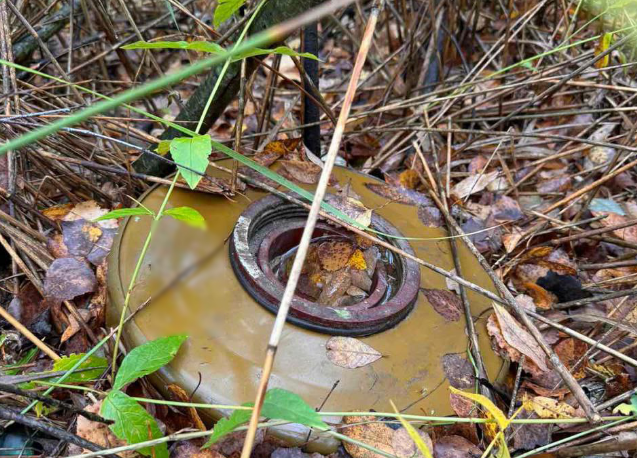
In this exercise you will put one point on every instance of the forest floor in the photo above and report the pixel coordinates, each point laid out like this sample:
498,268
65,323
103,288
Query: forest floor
509,122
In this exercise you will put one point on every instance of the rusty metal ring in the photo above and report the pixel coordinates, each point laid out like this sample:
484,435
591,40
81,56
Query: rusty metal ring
271,221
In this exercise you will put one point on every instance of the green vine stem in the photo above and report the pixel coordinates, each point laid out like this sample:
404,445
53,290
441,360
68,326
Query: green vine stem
153,227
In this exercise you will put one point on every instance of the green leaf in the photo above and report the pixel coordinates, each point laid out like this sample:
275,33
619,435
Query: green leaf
225,9
124,212
96,365
147,358
228,424
203,46
278,404
625,409
191,152
278,50
633,402
188,215
163,147
132,423
27,358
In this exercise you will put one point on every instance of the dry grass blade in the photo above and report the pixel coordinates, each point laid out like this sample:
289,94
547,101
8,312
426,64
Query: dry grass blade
321,189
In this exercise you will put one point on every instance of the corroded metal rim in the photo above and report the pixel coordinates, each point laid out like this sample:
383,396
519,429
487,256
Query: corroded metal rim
271,221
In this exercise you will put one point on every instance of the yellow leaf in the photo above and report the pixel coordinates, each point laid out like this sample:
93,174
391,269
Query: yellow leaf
485,402
624,409
604,44
163,147
550,408
413,433
357,261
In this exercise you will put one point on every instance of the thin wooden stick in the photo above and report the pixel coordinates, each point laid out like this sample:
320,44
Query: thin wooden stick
321,189
28,334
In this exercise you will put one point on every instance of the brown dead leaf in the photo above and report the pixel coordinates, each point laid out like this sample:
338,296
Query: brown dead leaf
178,394
541,297
88,240
67,278
190,450
455,447
430,216
555,185
57,212
511,240
275,150
462,406
409,179
405,447
473,184
294,452
446,303
558,393
351,206
357,260
350,353
549,408
506,209
570,351
300,171
249,172
89,211
458,370
334,254
535,253
400,195
519,338
371,432
628,234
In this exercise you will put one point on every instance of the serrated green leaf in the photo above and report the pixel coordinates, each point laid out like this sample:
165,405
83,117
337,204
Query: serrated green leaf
96,365
163,147
278,404
225,9
124,212
188,215
147,358
278,50
228,424
203,46
191,153
132,423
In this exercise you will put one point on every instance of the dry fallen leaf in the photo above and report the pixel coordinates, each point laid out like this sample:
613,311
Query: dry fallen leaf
549,408
515,337
445,303
430,216
400,195
473,184
334,254
459,371
455,447
405,447
541,297
570,351
409,179
301,171
350,353
370,432
178,394
67,278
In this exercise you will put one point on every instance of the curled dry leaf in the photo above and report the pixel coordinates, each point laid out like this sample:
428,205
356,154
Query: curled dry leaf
458,370
473,184
404,446
335,254
67,278
350,353
445,303
370,432
541,297
178,394
512,340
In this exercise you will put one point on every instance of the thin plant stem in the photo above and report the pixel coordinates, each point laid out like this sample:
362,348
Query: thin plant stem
308,231
153,227
226,64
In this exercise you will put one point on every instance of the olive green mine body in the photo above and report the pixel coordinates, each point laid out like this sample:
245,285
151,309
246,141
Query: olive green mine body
229,331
